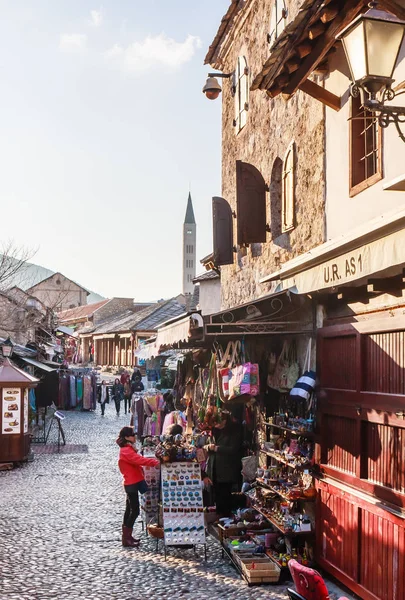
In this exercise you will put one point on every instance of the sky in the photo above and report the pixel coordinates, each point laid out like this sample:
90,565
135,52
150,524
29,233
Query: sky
104,130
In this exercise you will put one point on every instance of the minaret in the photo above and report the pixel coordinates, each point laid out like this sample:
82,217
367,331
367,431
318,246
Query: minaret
189,248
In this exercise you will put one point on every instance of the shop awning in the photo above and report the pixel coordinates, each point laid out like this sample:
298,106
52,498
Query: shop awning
280,313
37,364
147,350
179,331
356,256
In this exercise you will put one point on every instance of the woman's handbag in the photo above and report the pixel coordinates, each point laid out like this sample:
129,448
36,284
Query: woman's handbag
305,385
142,486
249,467
287,369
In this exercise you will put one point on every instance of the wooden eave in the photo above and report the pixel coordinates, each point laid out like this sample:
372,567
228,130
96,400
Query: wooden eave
304,45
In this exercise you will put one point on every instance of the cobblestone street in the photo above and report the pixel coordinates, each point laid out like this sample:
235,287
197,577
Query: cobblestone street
60,532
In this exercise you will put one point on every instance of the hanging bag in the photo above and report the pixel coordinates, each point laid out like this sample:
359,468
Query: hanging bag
305,385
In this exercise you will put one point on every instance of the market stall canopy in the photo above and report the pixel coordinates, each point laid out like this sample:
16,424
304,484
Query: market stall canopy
38,364
283,312
66,330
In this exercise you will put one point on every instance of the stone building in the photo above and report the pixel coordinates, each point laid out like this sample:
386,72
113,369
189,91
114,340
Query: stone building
59,293
283,141
321,168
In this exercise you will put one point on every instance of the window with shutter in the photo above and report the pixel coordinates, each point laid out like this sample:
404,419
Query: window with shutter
222,228
241,93
251,204
278,20
365,149
287,221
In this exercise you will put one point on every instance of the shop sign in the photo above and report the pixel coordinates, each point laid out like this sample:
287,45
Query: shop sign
11,418
351,266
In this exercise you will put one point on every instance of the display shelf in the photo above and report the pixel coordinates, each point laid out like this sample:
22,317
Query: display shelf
309,434
279,527
279,564
284,496
285,461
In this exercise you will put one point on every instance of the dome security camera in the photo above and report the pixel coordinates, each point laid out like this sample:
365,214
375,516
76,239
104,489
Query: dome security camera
212,89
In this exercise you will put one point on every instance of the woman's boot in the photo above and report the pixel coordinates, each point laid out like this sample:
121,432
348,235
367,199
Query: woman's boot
127,539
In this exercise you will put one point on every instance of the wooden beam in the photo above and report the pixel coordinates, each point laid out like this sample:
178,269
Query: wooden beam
329,13
319,93
304,49
324,44
316,30
292,64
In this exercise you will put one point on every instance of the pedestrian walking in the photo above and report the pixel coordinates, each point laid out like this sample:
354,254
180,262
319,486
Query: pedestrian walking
102,396
127,394
130,464
125,377
118,394
137,385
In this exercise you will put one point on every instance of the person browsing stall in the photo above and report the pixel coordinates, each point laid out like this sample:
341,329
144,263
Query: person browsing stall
131,464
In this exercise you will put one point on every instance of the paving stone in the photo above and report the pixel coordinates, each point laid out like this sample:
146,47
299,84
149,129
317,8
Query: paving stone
60,518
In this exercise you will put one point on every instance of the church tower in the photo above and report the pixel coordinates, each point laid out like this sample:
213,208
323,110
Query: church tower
189,248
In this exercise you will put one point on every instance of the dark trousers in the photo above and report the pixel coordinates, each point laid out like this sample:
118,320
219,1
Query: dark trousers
103,407
223,498
127,404
117,405
131,508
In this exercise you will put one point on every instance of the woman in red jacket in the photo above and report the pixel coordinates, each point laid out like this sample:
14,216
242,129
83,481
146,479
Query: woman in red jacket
130,464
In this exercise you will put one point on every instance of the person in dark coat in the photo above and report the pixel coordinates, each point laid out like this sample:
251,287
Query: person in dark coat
118,394
224,461
102,396
137,385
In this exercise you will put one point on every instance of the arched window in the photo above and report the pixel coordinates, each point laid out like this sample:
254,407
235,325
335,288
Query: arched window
241,93
278,20
287,221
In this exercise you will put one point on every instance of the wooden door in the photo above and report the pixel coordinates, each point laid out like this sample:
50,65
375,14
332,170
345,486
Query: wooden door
361,453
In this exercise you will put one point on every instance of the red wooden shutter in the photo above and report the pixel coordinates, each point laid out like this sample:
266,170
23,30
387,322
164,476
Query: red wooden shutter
251,204
222,228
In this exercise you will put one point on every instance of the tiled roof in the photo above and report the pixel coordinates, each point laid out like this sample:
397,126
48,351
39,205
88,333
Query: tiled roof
226,21
79,312
147,319
207,275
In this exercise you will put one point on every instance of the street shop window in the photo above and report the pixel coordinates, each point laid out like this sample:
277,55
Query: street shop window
365,149
288,190
241,93
278,21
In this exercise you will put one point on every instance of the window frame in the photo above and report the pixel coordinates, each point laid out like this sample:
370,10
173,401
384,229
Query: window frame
288,226
357,188
241,87
275,33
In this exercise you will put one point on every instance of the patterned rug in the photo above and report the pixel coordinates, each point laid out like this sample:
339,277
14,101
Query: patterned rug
53,449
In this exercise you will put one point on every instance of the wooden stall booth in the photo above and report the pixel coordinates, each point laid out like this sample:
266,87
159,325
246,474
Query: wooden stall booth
14,389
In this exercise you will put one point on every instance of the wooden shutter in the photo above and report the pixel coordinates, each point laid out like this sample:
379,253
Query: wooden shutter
241,93
288,191
251,204
278,20
222,228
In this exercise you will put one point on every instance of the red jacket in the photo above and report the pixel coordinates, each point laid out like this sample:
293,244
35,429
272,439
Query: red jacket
130,464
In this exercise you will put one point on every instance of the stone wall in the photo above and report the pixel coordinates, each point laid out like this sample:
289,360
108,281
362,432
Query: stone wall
272,124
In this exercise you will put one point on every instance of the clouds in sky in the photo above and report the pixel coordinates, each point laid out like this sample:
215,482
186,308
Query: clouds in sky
72,42
96,17
153,51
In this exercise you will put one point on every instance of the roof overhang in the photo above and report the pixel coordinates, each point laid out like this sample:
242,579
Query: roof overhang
39,365
303,47
280,313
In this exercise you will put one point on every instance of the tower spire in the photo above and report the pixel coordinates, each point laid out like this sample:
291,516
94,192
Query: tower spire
189,218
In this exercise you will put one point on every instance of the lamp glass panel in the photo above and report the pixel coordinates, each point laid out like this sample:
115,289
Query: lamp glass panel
383,41
354,45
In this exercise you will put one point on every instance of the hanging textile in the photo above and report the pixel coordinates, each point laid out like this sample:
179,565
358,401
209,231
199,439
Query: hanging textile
87,392
73,398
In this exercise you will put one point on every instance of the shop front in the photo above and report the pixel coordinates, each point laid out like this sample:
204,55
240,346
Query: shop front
358,283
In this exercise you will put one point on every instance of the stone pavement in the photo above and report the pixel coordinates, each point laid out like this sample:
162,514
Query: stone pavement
60,522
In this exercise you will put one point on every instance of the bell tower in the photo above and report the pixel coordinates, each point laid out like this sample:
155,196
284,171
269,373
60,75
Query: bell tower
189,248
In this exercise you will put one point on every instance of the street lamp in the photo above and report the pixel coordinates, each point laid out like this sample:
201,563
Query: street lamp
372,43
7,348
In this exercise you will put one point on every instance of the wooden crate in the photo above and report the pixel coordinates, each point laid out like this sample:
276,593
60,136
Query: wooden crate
264,571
